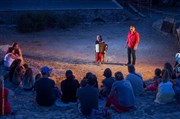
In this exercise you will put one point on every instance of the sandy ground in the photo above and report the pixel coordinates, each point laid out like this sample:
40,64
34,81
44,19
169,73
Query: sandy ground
74,48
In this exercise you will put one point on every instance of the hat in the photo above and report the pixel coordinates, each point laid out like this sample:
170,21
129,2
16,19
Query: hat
46,69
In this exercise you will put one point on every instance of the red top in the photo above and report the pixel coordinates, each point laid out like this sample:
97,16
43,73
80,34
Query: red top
7,108
133,39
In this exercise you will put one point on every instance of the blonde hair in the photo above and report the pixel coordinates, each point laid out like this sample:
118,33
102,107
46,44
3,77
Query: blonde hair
165,76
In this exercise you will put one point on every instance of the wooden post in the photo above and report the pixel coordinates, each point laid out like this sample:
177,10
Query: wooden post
2,96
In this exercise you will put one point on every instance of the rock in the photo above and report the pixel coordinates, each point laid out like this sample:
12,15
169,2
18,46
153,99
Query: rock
167,25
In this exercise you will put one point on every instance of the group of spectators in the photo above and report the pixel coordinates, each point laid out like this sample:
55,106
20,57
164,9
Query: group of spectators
118,91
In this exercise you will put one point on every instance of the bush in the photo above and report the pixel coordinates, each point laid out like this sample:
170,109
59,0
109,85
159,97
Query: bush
67,21
33,22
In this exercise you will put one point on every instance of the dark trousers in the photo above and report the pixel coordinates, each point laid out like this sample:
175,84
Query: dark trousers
131,52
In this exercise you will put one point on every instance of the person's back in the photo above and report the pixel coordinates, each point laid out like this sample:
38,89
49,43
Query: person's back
44,91
28,80
136,82
124,92
69,88
107,83
88,98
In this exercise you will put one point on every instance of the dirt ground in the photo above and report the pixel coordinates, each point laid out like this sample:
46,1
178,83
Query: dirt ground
74,48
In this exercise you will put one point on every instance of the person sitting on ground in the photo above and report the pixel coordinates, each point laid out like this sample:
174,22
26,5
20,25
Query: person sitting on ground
165,92
18,76
156,81
88,97
5,107
17,51
176,87
107,82
12,68
69,87
121,95
172,74
28,80
136,80
10,57
44,87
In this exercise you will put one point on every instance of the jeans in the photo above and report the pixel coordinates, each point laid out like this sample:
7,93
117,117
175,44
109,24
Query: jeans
132,52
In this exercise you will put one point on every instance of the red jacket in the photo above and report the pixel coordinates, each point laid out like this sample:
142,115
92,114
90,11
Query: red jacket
133,39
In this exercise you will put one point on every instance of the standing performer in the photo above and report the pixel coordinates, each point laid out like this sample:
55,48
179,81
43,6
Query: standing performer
100,48
132,44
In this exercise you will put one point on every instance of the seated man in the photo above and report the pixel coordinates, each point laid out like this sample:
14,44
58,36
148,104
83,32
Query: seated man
44,87
88,97
69,87
121,95
135,80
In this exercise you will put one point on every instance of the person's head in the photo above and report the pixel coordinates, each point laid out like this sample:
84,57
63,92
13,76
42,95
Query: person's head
38,76
119,76
20,70
165,75
10,50
107,73
168,66
46,71
131,68
99,38
157,72
87,75
29,72
69,74
92,80
132,28
83,83
26,66
15,45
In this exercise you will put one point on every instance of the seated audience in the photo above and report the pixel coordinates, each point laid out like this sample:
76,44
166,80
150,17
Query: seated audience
5,107
121,95
176,87
69,87
28,80
44,87
88,97
10,57
107,82
172,74
18,75
135,80
165,92
156,80
15,64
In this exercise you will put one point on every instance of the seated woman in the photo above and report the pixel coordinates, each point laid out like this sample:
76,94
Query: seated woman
156,81
107,82
10,57
69,87
165,92
18,75
5,107
28,80
121,95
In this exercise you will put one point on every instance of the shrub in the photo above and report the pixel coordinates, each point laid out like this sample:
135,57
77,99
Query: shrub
67,21
33,22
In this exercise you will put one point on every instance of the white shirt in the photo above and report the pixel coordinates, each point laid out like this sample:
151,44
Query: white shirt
8,60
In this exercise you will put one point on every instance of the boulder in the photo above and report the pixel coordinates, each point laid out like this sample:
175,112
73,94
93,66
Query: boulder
167,25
